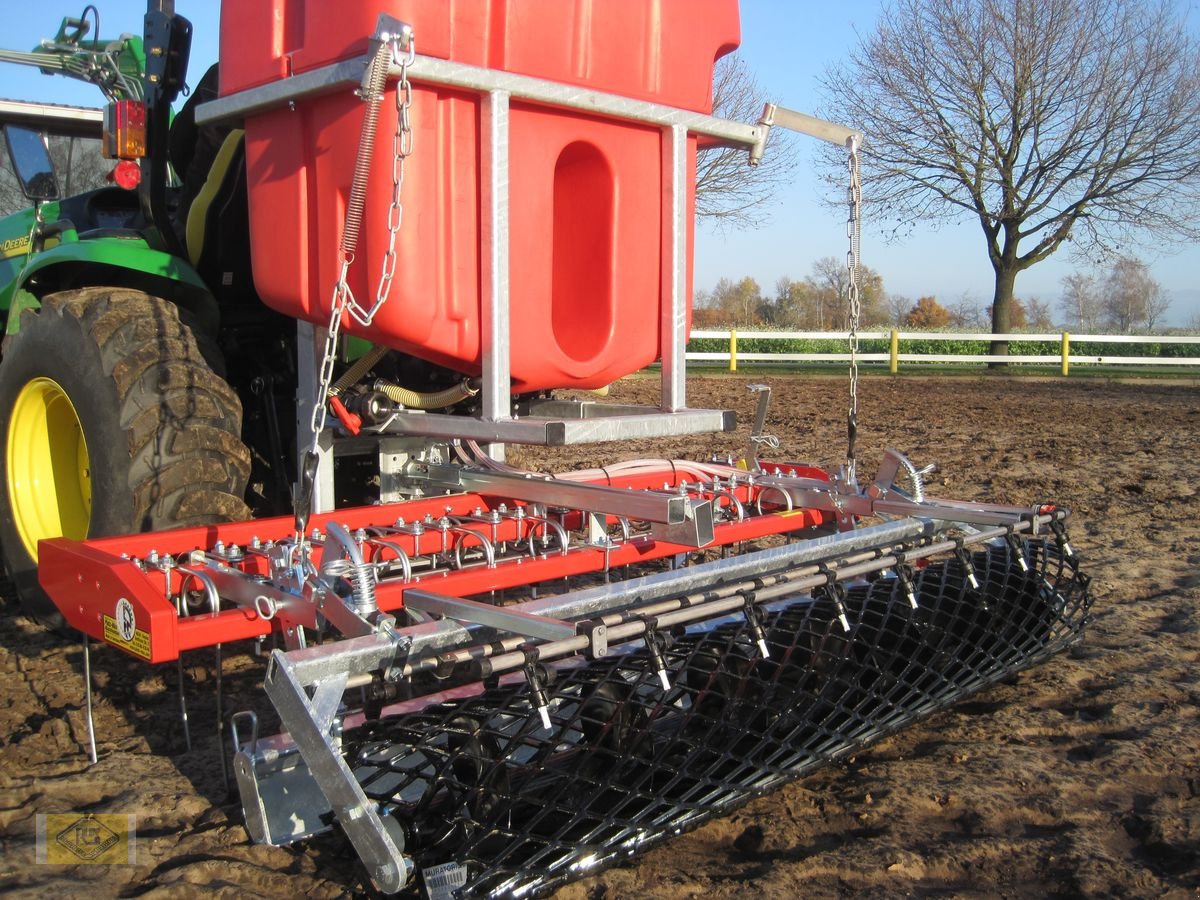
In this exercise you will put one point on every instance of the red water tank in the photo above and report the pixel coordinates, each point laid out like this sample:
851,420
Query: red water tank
585,192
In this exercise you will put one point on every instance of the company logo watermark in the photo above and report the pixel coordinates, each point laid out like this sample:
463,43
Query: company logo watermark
71,839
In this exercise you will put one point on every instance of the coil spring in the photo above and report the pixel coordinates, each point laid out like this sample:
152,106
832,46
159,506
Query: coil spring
376,81
362,581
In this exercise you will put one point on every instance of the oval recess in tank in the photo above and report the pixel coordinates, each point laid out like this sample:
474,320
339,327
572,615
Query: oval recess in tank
582,298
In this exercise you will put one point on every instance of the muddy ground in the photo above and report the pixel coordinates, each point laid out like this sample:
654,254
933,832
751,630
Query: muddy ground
1082,778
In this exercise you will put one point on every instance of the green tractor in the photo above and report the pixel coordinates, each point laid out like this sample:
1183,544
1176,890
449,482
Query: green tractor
138,366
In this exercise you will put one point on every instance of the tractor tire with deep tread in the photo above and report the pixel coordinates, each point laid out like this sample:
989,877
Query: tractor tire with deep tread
160,446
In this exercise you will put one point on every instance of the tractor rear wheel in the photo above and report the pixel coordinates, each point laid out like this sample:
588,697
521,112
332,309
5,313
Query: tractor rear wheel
113,422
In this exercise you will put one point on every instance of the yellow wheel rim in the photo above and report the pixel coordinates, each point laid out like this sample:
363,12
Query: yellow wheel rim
49,472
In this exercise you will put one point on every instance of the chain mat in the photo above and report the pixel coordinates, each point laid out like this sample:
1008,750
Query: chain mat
626,764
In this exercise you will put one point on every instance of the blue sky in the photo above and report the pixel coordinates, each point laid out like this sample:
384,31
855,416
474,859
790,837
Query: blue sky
787,44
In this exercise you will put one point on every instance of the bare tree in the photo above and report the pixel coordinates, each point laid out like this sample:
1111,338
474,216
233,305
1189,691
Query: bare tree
1037,314
829,285
898,306
1157,303
965,312
829,282
1080,302
729,191
1045,120
738,301
1131,297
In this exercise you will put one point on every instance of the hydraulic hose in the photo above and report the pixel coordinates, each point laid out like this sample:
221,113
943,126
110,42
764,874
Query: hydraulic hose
430,400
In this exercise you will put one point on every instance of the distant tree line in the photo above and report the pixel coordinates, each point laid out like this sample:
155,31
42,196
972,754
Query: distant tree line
1124,298
816,303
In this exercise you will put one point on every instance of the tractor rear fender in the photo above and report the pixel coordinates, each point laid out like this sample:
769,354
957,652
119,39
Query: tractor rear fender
124,261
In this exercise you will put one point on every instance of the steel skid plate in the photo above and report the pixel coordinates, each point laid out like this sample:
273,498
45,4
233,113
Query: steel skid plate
488,798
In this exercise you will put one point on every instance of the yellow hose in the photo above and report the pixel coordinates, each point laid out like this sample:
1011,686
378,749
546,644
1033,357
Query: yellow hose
418,400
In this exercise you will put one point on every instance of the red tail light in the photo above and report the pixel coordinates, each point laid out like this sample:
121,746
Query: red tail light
125,130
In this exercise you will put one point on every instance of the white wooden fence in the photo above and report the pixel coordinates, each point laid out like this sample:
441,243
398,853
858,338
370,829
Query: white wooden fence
1064,358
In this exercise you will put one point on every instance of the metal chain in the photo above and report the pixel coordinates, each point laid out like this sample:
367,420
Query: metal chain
337,307
343,299
854,233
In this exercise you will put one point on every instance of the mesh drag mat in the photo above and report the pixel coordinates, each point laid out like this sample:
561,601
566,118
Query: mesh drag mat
627,764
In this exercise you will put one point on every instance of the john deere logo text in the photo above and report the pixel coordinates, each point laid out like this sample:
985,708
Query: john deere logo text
72,839
15,246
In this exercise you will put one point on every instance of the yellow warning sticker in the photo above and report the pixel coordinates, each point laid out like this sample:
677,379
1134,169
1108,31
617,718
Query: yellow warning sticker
123,632
72,839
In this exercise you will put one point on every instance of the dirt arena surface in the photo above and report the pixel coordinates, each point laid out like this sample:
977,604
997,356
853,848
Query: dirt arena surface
1079,779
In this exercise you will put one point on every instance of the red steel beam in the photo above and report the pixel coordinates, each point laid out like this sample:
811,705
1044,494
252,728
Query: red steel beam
103,594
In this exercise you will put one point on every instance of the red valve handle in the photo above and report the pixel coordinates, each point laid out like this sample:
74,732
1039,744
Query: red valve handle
351,422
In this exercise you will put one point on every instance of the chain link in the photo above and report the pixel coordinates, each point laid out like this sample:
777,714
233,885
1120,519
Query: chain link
854,234
337,306
343,300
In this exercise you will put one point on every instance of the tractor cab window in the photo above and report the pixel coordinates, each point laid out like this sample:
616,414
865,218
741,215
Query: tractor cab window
30,155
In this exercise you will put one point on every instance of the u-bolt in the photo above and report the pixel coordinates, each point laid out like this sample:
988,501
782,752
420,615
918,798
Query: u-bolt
489,551
547,524
762,492
210,589
381,544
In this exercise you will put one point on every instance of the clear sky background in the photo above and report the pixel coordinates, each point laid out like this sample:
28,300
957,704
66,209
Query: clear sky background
787,44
